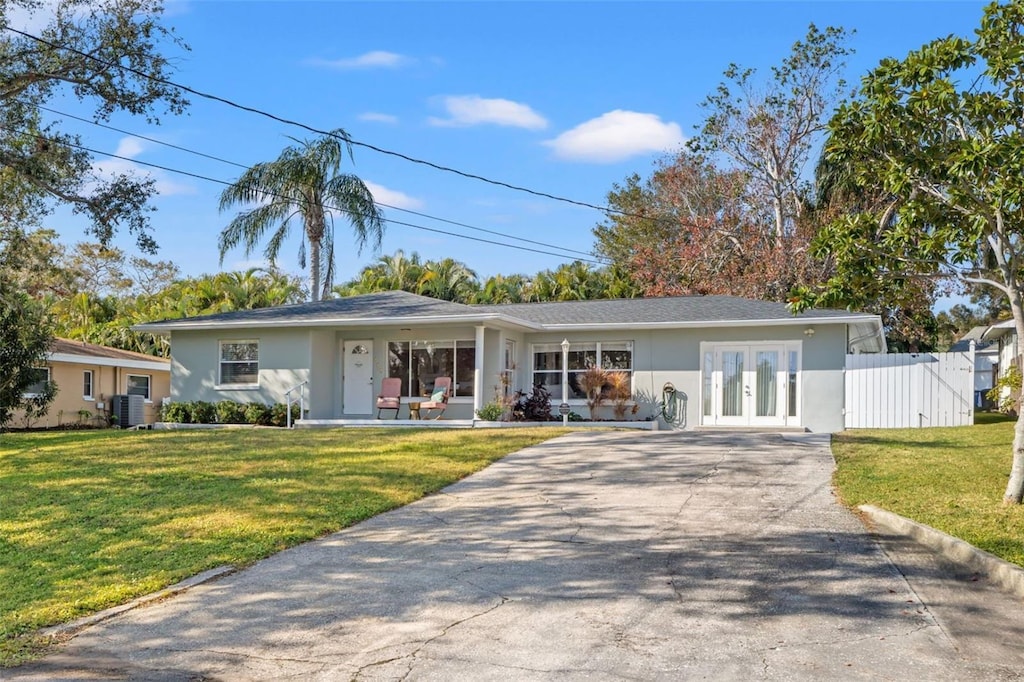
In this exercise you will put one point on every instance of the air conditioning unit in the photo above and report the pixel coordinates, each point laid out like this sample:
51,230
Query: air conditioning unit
129,410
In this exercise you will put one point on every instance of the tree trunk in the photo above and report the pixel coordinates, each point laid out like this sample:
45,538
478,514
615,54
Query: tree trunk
780,220
1015,486
314,270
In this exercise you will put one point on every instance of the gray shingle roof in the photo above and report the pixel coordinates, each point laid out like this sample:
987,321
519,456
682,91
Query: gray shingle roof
396,306
70,347
379,305
655,310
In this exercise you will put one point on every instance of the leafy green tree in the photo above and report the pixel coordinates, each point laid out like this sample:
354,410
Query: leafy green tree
303,183
940,135
767,129
448,280
25,335
39,164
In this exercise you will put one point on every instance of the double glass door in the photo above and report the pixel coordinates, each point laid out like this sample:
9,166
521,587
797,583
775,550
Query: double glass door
749,385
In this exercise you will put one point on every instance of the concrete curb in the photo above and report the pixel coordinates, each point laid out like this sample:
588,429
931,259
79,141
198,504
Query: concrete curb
70,629
1003,574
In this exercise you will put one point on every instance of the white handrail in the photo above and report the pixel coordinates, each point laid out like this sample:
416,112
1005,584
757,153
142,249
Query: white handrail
289,401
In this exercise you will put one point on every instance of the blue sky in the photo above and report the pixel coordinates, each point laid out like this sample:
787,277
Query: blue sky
565,98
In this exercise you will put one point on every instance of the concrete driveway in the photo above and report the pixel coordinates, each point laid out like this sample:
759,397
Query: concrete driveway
598,556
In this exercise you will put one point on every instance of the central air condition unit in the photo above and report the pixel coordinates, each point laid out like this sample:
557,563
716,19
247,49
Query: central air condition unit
128,409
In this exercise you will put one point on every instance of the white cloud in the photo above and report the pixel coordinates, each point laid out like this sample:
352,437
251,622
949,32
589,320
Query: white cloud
470,110
615,136
377,59
392,197
377,117
130,147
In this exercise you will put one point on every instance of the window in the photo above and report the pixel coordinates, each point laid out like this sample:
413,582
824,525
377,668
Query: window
87,384
418,363
508,378
614,356
239,363
138,384
40,376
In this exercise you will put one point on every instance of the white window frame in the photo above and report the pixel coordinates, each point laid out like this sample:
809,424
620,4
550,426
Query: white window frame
576,346
88,395
455,347
49,377
221,361
149,385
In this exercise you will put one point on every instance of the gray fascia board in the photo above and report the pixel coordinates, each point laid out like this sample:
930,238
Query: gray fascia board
184,325
703,324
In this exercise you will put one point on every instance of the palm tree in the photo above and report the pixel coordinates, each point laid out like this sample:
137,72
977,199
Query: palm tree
449,280
303,183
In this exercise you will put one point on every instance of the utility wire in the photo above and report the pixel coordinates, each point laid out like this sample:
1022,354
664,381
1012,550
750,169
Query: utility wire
334,208
379,203
286,121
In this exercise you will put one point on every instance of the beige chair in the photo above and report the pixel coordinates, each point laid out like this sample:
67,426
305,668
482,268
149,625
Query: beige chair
390,397
438,398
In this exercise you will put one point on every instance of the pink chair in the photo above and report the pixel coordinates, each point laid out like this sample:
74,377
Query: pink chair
390,397
438,398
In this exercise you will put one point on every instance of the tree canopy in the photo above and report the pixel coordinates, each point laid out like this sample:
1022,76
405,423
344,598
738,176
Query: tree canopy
106,53
938,137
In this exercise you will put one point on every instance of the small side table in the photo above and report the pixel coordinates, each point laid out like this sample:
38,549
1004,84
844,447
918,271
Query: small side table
414,410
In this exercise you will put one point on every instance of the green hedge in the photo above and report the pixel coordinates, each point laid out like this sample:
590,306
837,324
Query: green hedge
228,412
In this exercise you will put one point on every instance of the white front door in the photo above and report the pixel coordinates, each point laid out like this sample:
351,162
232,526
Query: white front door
748,385
357,378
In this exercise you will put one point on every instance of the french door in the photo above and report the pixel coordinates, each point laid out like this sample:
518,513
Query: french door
749,384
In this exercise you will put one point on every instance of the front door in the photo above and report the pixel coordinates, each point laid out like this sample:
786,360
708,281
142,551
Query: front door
747,385
357,380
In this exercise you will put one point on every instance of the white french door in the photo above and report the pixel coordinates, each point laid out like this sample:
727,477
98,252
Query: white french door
749,384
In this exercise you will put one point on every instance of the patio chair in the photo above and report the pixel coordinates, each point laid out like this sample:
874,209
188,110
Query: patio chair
438,398
390,397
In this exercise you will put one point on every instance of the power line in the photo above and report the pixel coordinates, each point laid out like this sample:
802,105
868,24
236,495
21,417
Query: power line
298,124
379,203
335,208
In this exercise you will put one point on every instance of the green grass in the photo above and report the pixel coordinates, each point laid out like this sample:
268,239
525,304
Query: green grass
89,520
952,479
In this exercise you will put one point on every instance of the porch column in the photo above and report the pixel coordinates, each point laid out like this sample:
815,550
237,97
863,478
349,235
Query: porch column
478,374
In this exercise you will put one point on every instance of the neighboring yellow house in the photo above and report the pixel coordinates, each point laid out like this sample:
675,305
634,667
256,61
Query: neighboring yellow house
88,376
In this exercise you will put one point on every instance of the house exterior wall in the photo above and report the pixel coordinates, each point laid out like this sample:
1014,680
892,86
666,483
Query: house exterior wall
106,382
289,356
284,361
673,356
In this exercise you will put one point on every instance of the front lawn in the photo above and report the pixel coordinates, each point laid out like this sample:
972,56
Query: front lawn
92,519
952,479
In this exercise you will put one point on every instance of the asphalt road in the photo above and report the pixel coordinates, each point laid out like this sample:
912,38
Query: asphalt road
597,556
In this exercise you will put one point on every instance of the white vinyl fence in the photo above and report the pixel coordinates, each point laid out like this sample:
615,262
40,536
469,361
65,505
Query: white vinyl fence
909,390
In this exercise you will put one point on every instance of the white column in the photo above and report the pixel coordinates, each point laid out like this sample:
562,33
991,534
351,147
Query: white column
478,374
565,382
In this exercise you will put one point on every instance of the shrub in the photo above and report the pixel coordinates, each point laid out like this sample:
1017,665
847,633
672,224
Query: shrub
178,413
204,412
279,414
594,384
258,414
230,412
491,412
535,407
1006,394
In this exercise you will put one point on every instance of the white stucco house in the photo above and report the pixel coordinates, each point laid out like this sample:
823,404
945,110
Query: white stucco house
733,362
